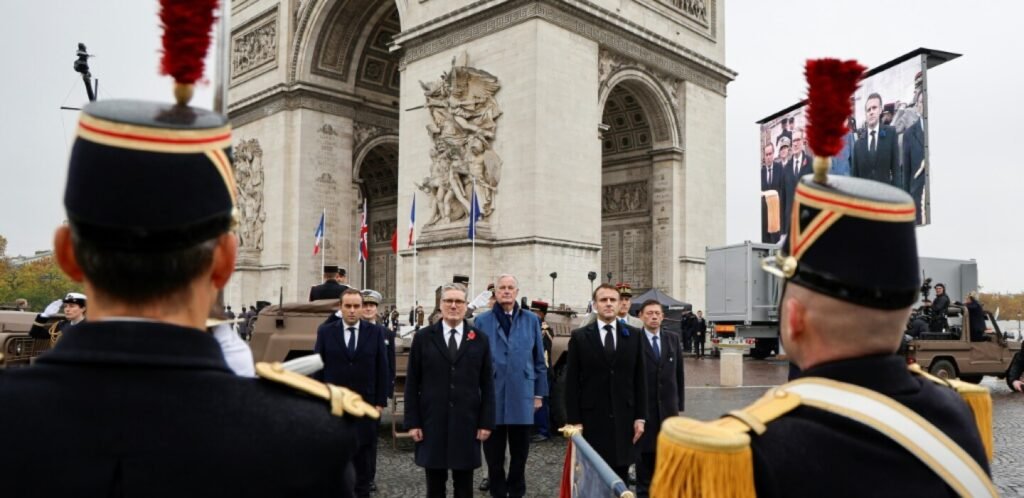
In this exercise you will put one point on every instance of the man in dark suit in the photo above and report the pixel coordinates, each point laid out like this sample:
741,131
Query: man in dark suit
798,165
913,164
449,396
665,382
771,181
606,393
333,286
876,152
139,400
355,357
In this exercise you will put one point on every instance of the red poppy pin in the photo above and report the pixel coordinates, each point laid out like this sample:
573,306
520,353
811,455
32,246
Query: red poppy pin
471,335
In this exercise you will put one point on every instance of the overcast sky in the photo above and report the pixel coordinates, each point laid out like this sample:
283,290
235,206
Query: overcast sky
975,103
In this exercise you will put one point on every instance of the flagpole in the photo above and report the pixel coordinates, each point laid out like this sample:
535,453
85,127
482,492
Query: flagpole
472,221
415,256
323,236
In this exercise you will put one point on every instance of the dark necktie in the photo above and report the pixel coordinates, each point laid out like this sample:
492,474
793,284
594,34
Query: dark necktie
453,347
657,350
352,340
769,175
609,341
871,143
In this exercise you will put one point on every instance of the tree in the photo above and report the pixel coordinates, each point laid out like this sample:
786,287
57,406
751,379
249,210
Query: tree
40,282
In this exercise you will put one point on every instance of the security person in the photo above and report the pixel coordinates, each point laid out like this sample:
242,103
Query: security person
74,313
138,400
333,286
851,275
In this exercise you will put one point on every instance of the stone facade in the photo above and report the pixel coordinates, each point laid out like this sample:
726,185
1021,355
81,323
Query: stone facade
595,129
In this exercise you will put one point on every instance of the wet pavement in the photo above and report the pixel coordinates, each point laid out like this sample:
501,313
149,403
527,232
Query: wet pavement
398,476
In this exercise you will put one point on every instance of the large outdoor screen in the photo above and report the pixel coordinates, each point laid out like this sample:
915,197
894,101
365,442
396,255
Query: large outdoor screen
887,143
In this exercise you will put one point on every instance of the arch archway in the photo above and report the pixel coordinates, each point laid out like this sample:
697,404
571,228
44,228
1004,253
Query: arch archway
626,166
376,172
653,98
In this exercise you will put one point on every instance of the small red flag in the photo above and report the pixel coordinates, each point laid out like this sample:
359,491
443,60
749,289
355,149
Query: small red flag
394,241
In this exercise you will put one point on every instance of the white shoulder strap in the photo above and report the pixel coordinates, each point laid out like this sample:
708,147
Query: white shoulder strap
901,424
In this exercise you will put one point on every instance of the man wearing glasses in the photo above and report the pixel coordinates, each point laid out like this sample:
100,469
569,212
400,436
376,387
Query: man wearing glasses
449,396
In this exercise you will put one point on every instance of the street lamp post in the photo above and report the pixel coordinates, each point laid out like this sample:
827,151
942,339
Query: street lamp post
553,276
592,276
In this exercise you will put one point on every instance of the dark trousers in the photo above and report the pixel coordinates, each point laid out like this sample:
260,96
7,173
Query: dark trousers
365,463
462,483
698,344
644,473
541,421
517,437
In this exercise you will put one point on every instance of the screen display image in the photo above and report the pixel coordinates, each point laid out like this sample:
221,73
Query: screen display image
887,142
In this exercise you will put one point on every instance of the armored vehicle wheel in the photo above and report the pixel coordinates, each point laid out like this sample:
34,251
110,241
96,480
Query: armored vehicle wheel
943,369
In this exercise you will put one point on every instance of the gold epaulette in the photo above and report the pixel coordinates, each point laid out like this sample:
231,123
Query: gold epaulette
714,458
977,398
342,400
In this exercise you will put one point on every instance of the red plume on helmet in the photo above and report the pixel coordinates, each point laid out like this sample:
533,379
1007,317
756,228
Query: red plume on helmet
831,83
187,25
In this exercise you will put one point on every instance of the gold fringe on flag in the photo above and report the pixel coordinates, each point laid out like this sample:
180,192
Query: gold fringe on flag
698,459
977,398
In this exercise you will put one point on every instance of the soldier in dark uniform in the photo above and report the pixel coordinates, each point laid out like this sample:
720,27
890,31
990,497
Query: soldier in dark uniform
74,313
333,286
139,401
851,274
541,418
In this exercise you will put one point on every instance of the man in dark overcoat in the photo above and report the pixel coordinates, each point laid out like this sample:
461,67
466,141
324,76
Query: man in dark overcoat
449,396
665,382
606,393
139,400
333,286
355,357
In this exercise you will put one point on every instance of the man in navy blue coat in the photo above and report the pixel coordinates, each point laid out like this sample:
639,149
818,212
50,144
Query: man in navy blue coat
449,396
355,357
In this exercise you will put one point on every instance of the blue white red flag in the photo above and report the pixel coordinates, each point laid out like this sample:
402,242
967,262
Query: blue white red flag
474,214
364,243
412,220
319,235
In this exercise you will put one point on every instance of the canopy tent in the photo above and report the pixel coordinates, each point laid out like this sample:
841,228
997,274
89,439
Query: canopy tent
674,308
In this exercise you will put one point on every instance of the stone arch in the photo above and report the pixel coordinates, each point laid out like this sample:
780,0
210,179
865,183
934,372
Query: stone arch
362,150
654,98
348,20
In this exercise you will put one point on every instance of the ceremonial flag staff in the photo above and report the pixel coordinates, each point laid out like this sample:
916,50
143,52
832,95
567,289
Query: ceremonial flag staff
323,235
412,242
474,216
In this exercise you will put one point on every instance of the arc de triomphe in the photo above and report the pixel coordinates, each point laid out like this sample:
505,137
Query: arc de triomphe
593,133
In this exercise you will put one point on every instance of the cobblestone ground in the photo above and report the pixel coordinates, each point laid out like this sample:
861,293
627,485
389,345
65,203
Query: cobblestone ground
398,476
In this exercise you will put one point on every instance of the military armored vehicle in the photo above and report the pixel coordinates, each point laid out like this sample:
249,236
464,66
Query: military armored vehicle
17,348
951,353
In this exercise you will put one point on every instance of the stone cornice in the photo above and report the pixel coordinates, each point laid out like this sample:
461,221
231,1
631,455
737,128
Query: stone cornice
517,241
283,97
579,16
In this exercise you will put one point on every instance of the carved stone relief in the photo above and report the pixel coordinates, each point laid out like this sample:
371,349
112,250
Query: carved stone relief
625,198
609,62
248,169
381,231
254,47
362,133
463,122
696,9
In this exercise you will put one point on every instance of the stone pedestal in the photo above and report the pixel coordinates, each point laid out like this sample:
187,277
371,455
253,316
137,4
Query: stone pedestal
731,366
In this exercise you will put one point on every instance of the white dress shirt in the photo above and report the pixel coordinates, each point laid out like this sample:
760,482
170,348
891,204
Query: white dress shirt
348,333
448,333
601,329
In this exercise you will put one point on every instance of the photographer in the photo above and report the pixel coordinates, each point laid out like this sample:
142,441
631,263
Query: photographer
1013,375
938,308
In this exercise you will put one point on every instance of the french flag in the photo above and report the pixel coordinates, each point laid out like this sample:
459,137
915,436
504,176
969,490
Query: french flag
319,235
412,220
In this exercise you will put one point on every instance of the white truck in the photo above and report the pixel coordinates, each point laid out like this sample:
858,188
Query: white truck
742,299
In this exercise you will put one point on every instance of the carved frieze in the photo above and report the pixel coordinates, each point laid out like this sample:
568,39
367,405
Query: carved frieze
254,47
696,9
608,63
625,198
363,133
381,231
463,122
248,169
